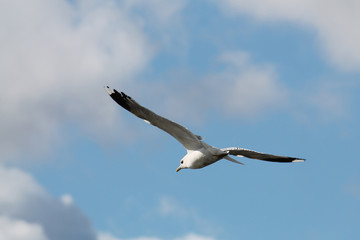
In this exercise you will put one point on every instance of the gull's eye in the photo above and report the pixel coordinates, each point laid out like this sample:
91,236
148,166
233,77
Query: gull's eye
182,162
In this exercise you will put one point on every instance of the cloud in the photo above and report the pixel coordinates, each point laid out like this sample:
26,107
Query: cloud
332,22
330,100
161,11
324,101
67,199
108,236
56,56
170,208
247,89
193,236
20,230
190,236
27,211
163,21
241,89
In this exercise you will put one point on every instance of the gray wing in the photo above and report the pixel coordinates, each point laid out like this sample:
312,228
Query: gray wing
241,152
183,135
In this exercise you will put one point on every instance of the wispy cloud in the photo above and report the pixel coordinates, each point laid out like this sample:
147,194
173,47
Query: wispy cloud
332,22
323,101
353,188
170,208
190,236
193,236
162,11
330,100
240,89
247,89
108,236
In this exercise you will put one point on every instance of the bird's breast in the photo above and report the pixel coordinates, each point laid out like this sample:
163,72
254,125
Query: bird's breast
200,158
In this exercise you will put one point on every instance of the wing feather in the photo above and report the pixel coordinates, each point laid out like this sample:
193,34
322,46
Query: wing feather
180,133
242,152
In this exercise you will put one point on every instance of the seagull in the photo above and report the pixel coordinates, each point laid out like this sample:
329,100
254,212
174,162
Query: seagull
199,154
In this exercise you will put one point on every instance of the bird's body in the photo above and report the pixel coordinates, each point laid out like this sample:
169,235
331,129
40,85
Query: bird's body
202,157
199,154
199,158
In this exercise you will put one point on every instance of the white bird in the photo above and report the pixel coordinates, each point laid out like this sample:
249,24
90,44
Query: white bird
199,154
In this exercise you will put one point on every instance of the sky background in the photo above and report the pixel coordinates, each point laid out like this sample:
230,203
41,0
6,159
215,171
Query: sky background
275,76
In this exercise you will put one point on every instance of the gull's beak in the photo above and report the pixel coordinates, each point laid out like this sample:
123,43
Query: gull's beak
178,169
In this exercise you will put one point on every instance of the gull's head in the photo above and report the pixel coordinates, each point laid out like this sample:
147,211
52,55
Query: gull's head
182,165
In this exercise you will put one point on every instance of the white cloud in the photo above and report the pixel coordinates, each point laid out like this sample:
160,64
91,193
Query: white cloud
27,211
162,19
247,89
67,200
108,236
242,89
56,56
190,236
170,208
332,20
20,230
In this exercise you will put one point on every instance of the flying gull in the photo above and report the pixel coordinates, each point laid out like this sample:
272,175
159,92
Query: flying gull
199,154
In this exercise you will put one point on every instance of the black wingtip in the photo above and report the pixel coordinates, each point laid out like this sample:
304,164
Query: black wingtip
121,98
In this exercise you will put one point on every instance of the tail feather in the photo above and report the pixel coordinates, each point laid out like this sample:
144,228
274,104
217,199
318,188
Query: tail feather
233,160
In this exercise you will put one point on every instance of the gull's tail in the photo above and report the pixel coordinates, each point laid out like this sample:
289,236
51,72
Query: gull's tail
233,160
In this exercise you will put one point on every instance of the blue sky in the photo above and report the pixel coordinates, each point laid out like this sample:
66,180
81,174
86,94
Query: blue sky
274,76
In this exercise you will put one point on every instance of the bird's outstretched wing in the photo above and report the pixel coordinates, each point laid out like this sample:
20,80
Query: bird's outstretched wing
241,152
189,140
